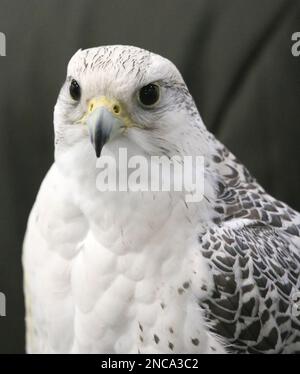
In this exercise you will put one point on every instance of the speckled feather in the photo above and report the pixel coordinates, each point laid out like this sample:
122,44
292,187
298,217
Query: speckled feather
253,253
145,272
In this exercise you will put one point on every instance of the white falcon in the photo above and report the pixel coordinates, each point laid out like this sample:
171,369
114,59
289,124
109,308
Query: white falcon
129,272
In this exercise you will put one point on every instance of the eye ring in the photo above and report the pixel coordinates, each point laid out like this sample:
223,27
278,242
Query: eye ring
149,95
75,90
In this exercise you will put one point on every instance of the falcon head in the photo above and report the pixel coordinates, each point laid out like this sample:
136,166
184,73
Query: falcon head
125,96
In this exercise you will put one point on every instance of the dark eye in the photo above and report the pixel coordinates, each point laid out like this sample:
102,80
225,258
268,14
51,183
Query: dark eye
149,94
75,90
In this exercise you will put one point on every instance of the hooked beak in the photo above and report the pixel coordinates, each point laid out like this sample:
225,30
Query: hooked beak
105,120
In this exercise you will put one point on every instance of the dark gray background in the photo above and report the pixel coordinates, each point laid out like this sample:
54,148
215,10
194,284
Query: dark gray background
235,56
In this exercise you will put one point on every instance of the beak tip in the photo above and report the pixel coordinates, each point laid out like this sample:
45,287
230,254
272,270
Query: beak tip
101,123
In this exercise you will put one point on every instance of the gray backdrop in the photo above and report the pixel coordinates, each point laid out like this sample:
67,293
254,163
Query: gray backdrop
235,56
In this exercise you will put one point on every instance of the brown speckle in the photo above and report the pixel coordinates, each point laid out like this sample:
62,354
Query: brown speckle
141,338
171,346
171,330
217,159
180,290
204,287
156,338
162,305
141,327
213,349
195,341
186,285
219,209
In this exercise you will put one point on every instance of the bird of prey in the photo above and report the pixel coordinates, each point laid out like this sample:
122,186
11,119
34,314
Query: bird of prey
147,272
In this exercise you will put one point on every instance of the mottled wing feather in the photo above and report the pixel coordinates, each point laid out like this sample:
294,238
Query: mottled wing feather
256,272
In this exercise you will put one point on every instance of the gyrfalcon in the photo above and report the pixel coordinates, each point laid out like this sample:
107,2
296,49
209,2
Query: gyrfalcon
148,272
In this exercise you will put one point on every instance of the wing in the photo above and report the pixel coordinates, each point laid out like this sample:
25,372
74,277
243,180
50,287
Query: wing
255,272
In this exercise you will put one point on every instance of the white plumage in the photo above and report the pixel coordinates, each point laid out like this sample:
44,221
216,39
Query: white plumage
128,272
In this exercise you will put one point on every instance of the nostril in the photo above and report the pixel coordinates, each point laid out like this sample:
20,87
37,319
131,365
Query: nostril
116,109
